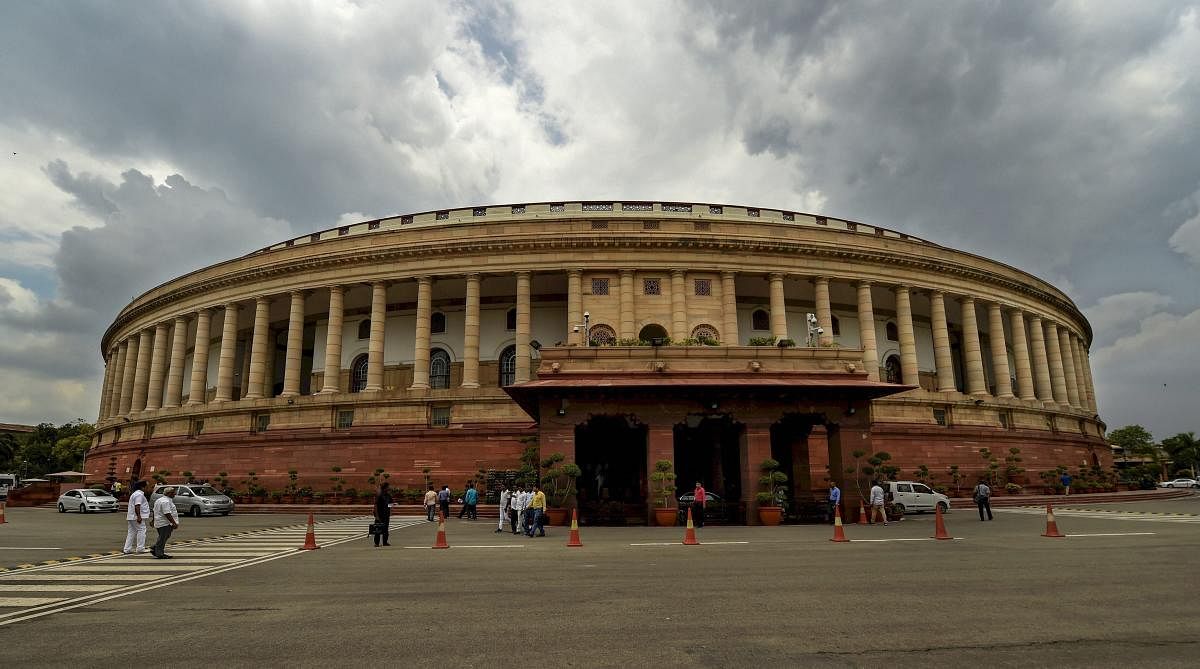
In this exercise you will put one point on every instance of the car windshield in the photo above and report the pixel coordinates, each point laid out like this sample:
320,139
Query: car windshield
93,493
205,490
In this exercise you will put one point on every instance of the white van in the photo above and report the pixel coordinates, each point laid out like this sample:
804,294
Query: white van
7,482
913,497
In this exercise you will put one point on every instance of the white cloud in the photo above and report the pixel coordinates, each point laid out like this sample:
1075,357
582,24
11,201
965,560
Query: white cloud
1114,316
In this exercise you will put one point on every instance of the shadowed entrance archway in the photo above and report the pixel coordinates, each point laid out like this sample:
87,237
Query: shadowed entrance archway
611,452
708,450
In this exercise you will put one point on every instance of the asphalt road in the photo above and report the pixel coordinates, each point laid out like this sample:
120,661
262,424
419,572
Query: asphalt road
1000,595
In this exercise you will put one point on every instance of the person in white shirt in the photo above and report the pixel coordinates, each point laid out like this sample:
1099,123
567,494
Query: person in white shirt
519,504
137,517
505,503
165,521
877,503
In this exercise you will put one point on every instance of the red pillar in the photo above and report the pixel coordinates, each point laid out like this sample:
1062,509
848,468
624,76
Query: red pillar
660,445
756,447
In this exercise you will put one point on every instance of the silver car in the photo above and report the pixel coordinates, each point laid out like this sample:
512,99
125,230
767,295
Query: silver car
85,500
196,499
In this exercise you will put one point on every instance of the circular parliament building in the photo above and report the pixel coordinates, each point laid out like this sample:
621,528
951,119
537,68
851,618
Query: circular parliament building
437,345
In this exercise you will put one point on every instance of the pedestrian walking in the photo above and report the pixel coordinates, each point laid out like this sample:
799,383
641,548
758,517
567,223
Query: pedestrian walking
537,510
505,503
471,502
983,499
430,503
443,498
383,514
1066,483
877,503
137,518
166,520
520,500
835,499
699,504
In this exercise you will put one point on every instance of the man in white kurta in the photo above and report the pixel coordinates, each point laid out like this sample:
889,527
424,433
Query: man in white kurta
505,503
165,521
137,518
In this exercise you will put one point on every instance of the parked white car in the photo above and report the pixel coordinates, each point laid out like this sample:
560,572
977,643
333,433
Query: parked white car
86,500
913,497
1180,483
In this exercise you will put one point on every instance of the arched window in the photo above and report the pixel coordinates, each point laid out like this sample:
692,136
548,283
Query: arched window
892,370
437,323
836,325
439,368
760,320
510,320
892,333
508,366
364,329
652,331
358,373
603,335
705,334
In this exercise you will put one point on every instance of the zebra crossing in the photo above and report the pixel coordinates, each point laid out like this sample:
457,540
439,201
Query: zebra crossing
1108,514
51,588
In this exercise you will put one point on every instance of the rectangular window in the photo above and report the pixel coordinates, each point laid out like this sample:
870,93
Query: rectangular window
599,286
1005,420
703,287
148,432
405,220
702,226
195,428
116,435
518,209
439,417
637,206
558,208
651,286
441,215
753,213
343,231
716,210
789,216
650,225
597,206
939,415
345,419
260,422
599,225
479,211
373,225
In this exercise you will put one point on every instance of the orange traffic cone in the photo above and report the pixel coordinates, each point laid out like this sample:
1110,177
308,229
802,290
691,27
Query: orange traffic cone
441,535
839,535
689,535
1051,526
573,540
940,526
862,512
310,537
2,520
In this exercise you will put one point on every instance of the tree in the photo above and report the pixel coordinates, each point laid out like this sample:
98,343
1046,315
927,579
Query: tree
1184,448
1134,440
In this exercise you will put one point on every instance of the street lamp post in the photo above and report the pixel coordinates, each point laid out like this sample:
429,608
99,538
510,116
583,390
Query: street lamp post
587,328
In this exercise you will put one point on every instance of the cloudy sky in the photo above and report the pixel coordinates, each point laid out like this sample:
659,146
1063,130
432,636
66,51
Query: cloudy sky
141,140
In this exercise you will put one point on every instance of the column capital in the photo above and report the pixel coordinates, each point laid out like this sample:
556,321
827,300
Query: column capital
863,283
262,299
728,274
473,275
777,276
575,272
229,306
627,272
678,272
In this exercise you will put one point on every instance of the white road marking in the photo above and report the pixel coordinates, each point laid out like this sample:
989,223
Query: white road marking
1114,534
456,546
882,541
123,567
12,602
82,577
59,587
702,543
19,548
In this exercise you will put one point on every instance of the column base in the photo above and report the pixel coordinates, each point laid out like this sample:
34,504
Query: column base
289,394
470,385
376,389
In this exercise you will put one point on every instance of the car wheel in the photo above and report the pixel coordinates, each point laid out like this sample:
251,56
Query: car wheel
196,511
899,508
61,508
82,508
224,513
943,506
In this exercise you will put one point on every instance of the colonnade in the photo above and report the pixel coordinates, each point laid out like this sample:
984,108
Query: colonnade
145,370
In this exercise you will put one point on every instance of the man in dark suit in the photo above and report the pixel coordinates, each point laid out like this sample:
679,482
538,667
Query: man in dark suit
383,513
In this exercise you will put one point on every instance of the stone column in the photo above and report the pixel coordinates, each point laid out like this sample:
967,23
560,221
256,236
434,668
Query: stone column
941,343
1091,385
198,392
1041,360
114,398
128,371
243,376
332,381
470,375
627,305
999,351
228,354
756,447
375,345
1021,356
175,376
1058,379
908,338
729,333
678,305
158,363
141,378
824,312
971,349
778,308
106,386
866,330
295,346
421,339
523,322
258,349
574,308
1072,383
1080,382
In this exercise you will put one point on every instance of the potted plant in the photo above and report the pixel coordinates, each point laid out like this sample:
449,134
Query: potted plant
559,486
666,506
349,496
769,512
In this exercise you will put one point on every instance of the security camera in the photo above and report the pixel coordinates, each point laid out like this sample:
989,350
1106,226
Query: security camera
575,329
820,330
586,315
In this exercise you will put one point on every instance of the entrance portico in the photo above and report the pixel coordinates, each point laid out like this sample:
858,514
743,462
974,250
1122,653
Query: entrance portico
715,412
